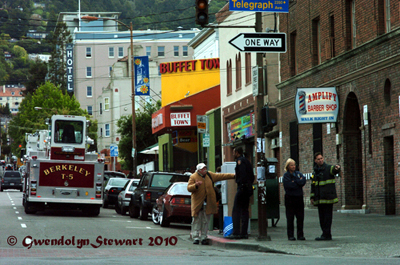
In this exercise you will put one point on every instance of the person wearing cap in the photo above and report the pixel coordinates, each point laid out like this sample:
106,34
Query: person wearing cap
203,200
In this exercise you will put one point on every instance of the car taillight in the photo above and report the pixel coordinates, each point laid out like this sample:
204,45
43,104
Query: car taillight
127,196
178,200
148,196
33,187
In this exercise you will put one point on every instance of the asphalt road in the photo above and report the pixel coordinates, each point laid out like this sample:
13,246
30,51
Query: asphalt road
69,237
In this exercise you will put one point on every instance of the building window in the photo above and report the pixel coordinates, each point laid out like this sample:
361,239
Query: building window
12,93
176,51
101,108
387,92
161,51
148,51
353,23
350,10
88,52
248,67
316,41
111,52
331,45
293,59
89,92
107,104
294,142
229,77
101,132
185,51
120,52
90,110
107,130
387,16
88,72
238,72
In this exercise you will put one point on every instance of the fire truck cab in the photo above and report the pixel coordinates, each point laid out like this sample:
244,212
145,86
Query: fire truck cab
60,173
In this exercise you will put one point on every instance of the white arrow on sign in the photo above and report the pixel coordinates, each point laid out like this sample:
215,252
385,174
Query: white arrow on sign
260,42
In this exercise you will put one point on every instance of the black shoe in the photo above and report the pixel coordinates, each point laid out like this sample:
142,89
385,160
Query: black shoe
301,238
244,236
292,238
204,242
196,242
233,237
323,238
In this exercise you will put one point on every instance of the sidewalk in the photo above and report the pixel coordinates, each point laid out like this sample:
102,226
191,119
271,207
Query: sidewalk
354,235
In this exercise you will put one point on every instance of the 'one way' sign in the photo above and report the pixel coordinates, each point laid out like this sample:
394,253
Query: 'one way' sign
260,42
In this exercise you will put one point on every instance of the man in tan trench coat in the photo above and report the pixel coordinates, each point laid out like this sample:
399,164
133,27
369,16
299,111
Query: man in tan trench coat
204,202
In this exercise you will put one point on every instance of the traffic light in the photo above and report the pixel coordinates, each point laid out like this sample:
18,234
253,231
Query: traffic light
202,12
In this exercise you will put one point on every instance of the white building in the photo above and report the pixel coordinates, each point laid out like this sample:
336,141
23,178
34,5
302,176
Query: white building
11,94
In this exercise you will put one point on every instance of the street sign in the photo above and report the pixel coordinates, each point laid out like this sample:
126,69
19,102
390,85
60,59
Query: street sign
255,80
114,150
260,42
259,6
202,123
206,140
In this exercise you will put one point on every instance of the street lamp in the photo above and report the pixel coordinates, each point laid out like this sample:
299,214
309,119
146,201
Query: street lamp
130,27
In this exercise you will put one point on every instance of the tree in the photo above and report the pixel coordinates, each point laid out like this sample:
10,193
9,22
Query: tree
57,64
36,76
144,136
53,101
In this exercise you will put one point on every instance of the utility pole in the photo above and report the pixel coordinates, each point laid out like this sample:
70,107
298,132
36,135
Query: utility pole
262,203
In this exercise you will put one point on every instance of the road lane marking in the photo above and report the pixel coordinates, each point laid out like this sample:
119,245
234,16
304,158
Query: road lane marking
15,208
23,225
16,212
141,227
19,218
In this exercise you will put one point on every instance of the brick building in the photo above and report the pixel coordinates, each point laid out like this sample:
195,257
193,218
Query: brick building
351,45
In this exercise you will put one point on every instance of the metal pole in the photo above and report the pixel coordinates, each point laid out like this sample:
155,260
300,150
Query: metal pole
262,207
134,152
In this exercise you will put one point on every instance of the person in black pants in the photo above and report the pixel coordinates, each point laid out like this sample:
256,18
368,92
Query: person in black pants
244,178
323,193
293,182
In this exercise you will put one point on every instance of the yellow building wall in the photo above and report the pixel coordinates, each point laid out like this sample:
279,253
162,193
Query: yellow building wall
187,77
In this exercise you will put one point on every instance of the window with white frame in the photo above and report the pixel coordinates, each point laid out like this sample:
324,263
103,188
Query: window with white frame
111,52
90,110
106,103
185,51
107,130
89,92
161,51
101,108
120,52
89,71
176,51
88,52
148,51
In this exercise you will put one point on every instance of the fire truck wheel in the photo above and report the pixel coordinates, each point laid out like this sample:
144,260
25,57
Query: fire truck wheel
94,211
29,209
144,213
105,204
133,211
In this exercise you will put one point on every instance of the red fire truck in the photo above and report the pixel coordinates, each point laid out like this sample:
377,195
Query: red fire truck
60,172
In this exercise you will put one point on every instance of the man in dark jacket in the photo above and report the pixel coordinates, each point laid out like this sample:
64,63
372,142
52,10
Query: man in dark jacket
244,179
323,193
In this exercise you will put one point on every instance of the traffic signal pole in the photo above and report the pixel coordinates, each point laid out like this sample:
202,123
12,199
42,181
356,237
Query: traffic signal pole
259,104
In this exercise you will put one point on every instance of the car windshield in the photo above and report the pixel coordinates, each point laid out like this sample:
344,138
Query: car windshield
117,182
179,188
164,180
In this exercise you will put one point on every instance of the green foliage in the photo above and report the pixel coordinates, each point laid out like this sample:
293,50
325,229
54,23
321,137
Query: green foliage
53,101
144,136
36,76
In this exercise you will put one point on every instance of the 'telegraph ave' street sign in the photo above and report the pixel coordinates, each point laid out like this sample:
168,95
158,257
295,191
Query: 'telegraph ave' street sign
260,42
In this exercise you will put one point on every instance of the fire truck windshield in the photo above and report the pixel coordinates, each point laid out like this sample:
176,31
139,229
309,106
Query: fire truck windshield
68,132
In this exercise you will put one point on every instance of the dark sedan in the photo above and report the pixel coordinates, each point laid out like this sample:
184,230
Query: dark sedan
113,188
173,206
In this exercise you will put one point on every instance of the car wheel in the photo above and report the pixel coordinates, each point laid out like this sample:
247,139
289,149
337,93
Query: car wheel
163,221
123,210
117,208
133,211
143,213
155,215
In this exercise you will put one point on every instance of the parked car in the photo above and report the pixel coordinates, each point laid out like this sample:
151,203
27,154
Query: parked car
173,206
113,174
124,197
151,186
112,189
11,180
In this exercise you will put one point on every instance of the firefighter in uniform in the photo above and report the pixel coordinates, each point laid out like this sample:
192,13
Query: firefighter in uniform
323,193
244,179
